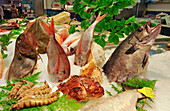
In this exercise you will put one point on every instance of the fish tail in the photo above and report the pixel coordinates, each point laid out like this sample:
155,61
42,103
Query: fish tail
49,29
99,18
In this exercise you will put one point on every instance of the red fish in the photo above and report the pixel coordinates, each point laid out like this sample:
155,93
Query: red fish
84,45
58,63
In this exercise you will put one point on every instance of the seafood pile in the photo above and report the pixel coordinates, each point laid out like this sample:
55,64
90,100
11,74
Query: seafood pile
29,96
129,60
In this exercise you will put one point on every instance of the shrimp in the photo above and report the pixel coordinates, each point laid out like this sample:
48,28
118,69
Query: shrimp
45,96
25,87
15,89
33,90
33,102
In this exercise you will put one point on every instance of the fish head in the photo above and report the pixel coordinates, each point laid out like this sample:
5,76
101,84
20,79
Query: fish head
146,35
27,43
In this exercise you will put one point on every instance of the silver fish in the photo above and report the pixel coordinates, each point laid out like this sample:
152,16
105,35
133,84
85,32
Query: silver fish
131,57
85,43
125,101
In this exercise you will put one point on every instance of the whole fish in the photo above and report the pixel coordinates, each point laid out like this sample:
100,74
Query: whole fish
131,57
25,57
84,45
125,101
58,64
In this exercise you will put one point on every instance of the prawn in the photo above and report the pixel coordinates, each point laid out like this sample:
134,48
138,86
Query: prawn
33,102
33,90
15,89
45,96
25,87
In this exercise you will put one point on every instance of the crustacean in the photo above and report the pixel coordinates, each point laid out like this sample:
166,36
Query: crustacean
25,87
15,89
34,102
44,96
34,96
35,90
81,88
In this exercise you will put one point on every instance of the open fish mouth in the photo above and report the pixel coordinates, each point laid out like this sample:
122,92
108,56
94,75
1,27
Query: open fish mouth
153,33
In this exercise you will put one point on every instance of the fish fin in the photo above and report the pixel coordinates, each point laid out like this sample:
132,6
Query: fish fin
132,49
100,17
29,25
145,60
49,29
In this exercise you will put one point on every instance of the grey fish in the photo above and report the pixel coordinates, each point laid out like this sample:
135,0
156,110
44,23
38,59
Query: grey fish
130,58
125,101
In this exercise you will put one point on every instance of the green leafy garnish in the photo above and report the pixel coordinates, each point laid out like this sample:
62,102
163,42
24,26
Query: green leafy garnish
109,93
72,29
137,83
117,89
116,27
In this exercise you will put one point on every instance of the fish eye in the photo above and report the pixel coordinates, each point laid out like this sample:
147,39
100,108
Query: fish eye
140,29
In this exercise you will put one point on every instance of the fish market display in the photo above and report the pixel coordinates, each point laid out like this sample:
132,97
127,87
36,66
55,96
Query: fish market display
84,45
125,101
81,88
25,57
58,63
131,57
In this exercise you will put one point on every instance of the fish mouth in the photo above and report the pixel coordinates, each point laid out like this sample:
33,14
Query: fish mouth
153,32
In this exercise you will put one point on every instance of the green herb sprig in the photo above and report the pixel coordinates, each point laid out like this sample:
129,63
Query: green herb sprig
109,23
